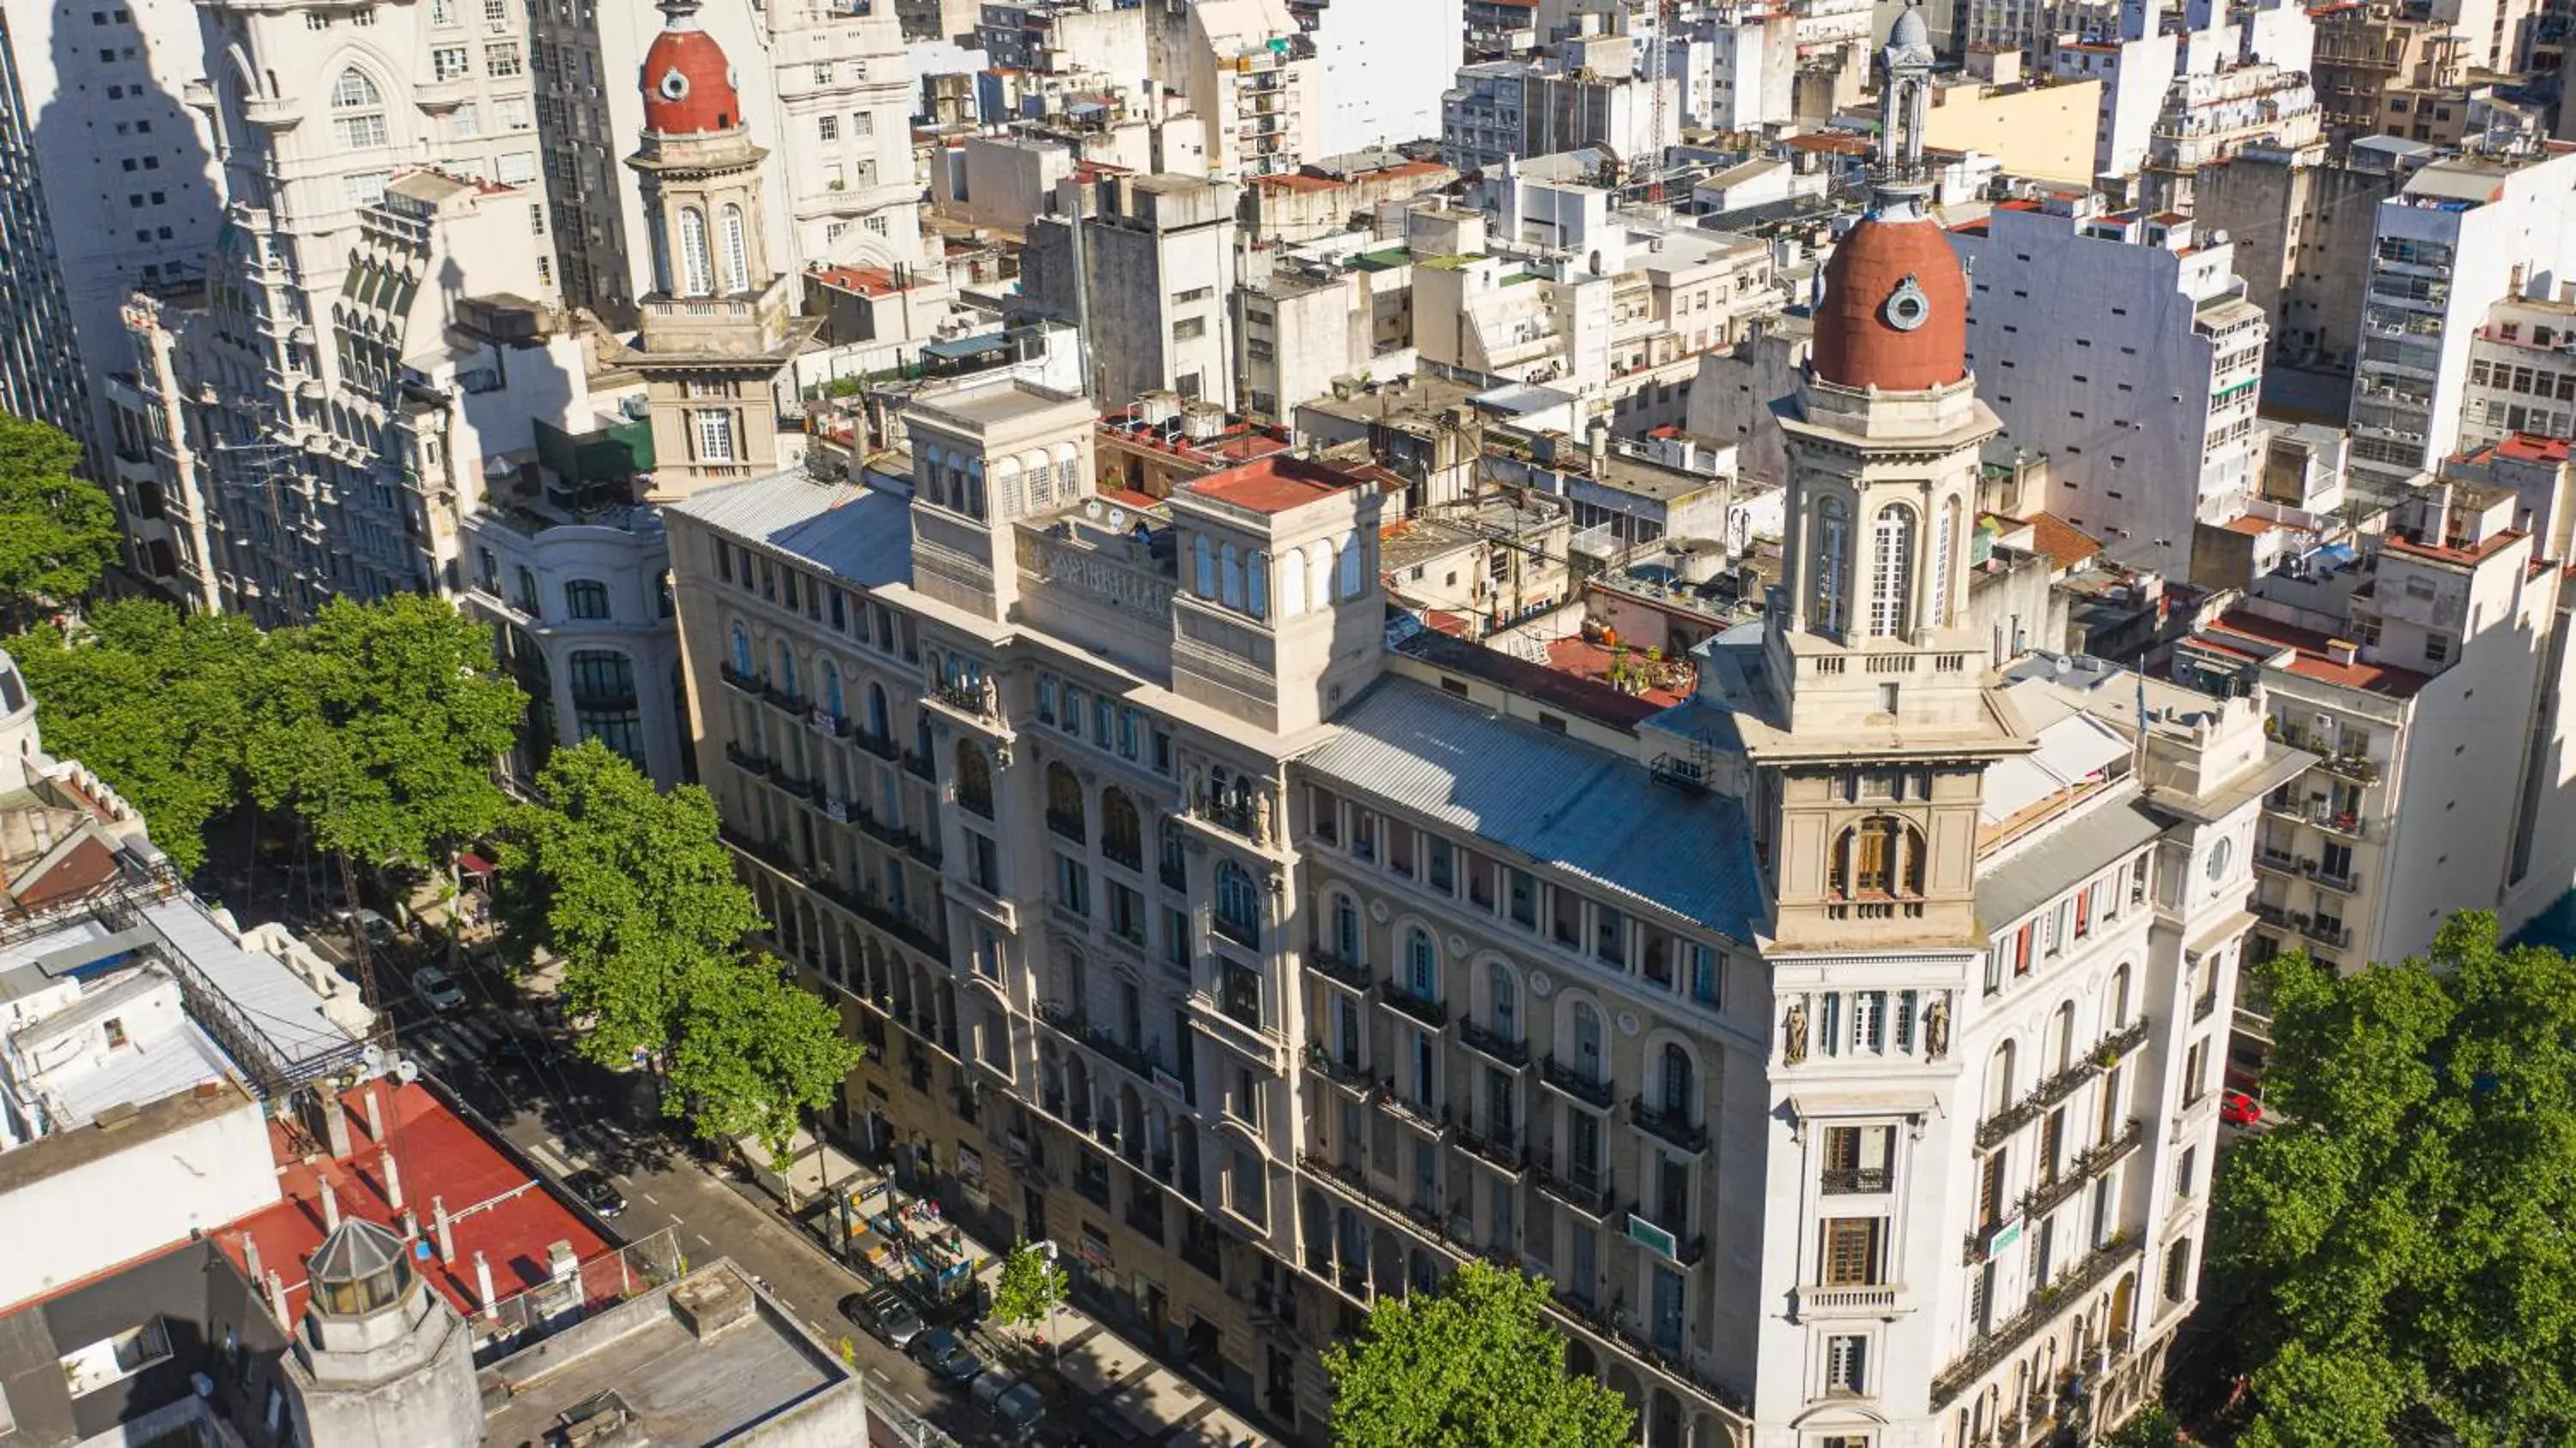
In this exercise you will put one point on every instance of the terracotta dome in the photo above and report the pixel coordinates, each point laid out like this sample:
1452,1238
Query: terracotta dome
1883,275
688,85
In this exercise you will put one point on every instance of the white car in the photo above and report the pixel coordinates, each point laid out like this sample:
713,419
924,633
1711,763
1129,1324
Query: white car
438,988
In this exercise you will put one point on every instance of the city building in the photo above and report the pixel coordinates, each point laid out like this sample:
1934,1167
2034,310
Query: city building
2299,220
1383,68
2522,375
1839,1042
1148,274
2381,664
2122,346
1586,94
2460,236
110,185
2208,118
1252,76
2364,48
823,87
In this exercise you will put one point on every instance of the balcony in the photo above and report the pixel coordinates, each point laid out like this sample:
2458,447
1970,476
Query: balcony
2105,1054
1514,1054
1566,1081
747,760
1873,1300
2083,1167
2357,767
2327,931
1340,970
2064,1295
1586,1188
1856,1181
1673,1128
980,708
740,682
1618,1332
1499,1146
1421,1115
1429,1013
1349,1075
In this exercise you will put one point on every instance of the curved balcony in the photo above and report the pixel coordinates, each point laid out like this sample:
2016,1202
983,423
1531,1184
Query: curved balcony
2055,1300
2105,1054
1673,1128
1554,1074
1514,1054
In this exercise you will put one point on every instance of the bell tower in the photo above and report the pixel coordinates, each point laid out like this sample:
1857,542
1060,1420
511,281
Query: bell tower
1868,709
718,327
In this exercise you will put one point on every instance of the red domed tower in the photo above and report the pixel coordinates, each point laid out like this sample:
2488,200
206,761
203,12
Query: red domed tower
717,325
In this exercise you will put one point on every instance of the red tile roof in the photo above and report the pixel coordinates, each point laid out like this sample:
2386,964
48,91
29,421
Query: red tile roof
867,281
1273,484
2064,543
494,1205
2530,447
2258,637
2407,548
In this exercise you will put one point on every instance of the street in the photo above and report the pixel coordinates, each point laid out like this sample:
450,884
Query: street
567,1115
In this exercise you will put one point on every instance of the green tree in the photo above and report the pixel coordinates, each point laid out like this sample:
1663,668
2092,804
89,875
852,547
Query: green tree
57,530
2404,1221
1473,1364
634,890
1031,1286
2153,1427
380,726
158,703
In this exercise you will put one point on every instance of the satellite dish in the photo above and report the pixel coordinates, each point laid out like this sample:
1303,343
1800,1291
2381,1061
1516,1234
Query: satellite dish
374,1057
406,1070
1091,509
1117,517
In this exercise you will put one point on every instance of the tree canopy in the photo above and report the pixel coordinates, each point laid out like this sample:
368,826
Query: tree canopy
2404,1222
1473,1364
157,703
1031,1285
57,530
380,727
634,890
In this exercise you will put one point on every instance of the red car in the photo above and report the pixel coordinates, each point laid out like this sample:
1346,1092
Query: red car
2238,1109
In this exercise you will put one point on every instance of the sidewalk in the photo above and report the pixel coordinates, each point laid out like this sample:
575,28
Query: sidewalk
1125,1395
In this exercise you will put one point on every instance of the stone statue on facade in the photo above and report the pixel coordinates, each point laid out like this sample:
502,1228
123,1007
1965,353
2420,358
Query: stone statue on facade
1794,1049
1261,818
992,698
1936,1028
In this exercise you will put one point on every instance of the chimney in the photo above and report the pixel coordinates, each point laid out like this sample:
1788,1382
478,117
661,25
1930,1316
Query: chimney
335,1124
446,1229
2342,651
330,1206
376,1116
277,1300
393,1176
250,1256
1597,442
483,1286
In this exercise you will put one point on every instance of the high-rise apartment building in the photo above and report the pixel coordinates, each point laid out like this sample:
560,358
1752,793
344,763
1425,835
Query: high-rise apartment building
2458,237
112,188
2120,344
1840,1044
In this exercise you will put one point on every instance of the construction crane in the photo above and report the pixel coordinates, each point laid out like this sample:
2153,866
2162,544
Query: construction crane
1649,177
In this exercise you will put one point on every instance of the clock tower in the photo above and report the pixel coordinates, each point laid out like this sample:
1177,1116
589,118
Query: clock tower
1868,711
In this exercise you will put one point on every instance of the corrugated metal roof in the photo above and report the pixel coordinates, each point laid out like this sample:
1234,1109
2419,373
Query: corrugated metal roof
862,536
1547,797
2058,859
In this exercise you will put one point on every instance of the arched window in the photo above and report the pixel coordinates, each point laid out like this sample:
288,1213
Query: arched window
1064,803
834,703
586,598
697,268
786,677
1319,576
743,666
1945,540
1122,831
1680,1090
1292,586
1346,928
1238,904
357,112
1353,565
1175,861
1831,566
1506,993
1256,594
1587,1042
737,251
1891,587
1205,558
880,723
1882,855
1232,577
1999,1079
1421,964
2060,1051
974,778
972,489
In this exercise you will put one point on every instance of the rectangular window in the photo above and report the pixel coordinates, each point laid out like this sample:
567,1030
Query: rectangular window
1850,1251
1189,329
715,435
827,128
1072,885
1126,914
1847,1364
449,62
501,61
1046,698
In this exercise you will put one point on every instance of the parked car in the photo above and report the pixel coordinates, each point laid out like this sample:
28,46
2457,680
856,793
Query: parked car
950,1361
379,930
1018,1404
438,988
597,1191
883,1314
2238,1109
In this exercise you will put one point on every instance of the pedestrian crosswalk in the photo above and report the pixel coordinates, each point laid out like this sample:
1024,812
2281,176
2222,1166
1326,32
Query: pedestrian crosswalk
457,1041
